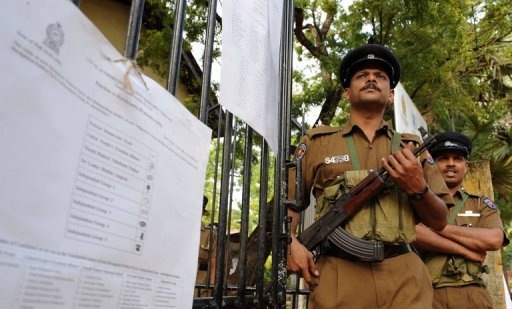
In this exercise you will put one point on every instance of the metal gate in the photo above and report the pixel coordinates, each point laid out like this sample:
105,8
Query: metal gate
240,161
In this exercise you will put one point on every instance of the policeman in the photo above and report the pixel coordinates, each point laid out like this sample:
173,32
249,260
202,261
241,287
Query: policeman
335,159
455,255
206,258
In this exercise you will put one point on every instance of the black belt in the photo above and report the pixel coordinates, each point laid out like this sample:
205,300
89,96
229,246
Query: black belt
390,251
396,250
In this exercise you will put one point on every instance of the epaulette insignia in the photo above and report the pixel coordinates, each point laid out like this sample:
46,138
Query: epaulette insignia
321,131
301,151
490,203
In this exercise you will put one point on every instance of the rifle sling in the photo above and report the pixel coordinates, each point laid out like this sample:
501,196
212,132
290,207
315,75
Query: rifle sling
458,207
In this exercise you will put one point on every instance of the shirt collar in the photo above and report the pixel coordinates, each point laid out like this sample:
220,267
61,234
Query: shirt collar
349,127
459,193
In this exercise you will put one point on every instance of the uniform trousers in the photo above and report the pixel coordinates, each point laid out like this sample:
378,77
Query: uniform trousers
399,282
467,296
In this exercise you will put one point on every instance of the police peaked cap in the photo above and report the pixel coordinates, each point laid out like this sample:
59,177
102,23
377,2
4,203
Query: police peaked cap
369,54
451,141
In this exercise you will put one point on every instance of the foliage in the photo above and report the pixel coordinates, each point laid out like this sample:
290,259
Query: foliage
155,43
213,185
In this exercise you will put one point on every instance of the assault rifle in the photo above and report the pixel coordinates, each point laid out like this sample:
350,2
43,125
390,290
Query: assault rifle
351,202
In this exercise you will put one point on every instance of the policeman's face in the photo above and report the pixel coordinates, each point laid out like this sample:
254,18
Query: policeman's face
369,88
452,165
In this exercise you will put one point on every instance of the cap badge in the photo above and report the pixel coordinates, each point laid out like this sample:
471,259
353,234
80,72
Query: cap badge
448,144
370,56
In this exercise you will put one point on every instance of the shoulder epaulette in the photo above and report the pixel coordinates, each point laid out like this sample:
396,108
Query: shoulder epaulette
474,195
322,130
409,137
485,200
480,196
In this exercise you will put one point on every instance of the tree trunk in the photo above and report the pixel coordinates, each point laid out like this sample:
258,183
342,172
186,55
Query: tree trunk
478,181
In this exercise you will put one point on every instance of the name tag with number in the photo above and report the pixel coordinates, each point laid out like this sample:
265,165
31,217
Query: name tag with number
468,213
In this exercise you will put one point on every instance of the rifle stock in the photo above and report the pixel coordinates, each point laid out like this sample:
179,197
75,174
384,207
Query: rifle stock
351,202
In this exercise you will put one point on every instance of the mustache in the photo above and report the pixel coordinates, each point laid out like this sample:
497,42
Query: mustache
370,86
450,170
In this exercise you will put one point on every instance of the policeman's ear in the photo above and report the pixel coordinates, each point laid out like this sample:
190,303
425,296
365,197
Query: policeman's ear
391,97
346,94
388,110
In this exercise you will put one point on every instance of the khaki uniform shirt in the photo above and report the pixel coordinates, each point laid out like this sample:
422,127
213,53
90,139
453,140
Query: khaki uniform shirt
325,156
477,211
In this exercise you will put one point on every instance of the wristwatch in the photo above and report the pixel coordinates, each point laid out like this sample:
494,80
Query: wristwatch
418,196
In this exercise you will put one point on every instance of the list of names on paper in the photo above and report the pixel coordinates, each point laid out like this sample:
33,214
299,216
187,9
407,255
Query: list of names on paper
111,199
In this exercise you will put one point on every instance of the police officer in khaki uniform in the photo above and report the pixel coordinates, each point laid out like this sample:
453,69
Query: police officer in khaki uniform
342,157
455,255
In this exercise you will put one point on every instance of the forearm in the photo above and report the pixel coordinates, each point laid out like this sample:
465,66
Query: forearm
300,259
432,211
474,238
428,240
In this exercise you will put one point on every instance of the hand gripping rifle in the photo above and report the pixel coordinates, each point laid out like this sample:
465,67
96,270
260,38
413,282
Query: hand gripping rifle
351,202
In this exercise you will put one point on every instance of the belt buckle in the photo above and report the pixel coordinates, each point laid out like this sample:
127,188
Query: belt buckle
378,252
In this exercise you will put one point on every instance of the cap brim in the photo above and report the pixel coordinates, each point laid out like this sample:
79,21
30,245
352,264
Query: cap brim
435,152
356,65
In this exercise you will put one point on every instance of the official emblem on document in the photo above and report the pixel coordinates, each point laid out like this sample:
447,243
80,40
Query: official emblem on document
54,37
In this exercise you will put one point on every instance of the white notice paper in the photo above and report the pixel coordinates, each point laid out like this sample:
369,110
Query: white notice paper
101,176
250,64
